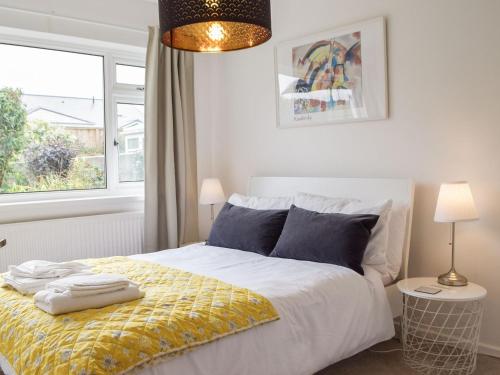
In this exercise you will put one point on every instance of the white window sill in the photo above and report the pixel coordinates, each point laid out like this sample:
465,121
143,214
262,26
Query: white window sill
15,209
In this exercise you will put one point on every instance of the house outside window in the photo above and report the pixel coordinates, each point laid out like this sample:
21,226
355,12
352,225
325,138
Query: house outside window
133,144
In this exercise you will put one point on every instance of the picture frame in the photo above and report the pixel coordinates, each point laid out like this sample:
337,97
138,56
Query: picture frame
332,77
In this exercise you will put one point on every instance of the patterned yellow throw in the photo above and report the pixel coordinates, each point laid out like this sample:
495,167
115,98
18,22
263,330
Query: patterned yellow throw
180,311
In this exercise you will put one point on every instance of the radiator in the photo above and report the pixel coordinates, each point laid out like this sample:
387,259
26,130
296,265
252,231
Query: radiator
72,238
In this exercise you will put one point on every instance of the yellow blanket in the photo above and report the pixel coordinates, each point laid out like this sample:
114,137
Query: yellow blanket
180,311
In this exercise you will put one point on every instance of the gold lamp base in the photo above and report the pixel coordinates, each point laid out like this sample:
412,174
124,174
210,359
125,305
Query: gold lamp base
452,278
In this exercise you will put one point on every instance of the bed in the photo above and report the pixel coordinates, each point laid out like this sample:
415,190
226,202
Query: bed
327,313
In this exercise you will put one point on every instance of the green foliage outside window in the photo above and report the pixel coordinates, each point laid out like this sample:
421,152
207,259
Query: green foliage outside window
36,156
12,126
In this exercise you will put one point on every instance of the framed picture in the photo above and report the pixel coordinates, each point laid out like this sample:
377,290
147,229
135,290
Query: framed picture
332,77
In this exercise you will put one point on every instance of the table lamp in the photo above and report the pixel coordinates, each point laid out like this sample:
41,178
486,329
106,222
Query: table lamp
211,194
455,203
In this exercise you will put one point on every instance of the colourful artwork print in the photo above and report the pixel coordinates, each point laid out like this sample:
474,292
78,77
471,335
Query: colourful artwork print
329,74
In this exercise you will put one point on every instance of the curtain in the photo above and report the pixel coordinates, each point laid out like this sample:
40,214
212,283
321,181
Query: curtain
171,202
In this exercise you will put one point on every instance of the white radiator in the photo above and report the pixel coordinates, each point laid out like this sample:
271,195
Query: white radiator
72,238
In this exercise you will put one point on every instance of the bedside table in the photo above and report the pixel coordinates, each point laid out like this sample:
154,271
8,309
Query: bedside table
441,331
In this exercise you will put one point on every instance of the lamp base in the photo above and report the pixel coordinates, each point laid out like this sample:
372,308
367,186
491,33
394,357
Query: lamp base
452,278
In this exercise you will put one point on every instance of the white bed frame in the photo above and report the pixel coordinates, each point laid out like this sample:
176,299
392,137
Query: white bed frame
401,191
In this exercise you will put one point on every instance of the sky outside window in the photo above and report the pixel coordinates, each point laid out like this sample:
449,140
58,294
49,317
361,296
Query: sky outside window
39,71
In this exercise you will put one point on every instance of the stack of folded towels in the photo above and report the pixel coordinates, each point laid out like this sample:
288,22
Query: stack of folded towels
31,277
82,292
62,288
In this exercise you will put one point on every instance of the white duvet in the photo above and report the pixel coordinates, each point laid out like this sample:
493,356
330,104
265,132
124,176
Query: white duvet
327,313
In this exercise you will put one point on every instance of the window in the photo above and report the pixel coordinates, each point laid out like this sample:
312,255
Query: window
130,75
53,128
62,126
131,141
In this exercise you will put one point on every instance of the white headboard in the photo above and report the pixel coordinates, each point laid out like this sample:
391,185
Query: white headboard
401,191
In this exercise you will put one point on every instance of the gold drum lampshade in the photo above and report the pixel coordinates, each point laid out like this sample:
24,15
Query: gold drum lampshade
214,25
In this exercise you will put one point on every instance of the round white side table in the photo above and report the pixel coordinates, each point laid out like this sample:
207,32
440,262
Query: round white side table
441,331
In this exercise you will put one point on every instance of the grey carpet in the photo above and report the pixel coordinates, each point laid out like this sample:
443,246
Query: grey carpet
372,363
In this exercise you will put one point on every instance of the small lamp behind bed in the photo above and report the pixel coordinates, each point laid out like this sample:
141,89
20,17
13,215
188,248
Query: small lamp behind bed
211,194
455,203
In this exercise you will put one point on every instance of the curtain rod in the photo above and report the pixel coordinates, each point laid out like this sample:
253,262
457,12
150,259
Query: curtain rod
50,15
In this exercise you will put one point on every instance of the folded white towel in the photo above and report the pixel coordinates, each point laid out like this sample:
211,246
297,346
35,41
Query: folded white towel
56,303
25,285
42,269
88,285
28,285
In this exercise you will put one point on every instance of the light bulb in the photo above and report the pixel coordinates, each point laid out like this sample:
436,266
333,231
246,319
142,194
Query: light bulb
216,32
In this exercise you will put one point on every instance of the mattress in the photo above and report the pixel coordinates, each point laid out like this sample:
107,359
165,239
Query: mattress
327,313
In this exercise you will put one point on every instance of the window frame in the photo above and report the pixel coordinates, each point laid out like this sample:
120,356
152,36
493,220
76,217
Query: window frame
112,54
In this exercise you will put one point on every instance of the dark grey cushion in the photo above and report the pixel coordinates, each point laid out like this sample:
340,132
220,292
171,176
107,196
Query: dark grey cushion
247,229
325,238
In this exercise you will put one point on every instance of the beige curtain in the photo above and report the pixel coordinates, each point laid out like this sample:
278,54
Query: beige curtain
171,203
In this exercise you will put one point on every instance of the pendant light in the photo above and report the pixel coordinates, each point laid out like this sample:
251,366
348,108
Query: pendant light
214,25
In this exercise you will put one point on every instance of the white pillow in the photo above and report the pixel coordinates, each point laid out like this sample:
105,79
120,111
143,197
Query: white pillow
319,203
376,249
375,254
261,203
397,230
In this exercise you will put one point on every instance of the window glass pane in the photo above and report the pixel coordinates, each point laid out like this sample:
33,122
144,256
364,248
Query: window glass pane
131,141
51,120
131,75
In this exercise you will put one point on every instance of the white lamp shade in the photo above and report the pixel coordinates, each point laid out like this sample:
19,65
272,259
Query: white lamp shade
211,192
455,203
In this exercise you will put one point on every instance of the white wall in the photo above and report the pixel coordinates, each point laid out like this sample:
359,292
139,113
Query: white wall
118,21
444,123
205,76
